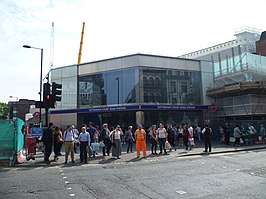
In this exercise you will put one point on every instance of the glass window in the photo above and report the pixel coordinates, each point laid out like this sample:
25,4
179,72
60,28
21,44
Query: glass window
151,81
173,87
158,97
145,80
146,98
109,88
157,81
174,100
151,97
184,87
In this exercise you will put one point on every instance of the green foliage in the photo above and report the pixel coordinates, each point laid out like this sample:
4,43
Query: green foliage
3,111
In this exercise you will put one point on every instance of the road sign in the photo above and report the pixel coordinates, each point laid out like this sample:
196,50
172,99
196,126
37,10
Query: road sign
36,132
36,115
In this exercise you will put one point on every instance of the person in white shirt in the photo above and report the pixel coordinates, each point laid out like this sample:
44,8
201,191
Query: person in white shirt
161,137
84,140
69,143
116,141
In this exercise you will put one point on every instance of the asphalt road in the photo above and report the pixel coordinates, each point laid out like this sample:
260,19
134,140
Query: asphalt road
233,175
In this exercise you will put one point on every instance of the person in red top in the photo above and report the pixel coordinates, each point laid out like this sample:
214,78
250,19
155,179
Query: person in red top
140,135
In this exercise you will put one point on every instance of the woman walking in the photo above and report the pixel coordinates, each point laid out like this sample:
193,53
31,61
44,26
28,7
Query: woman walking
105,138
154,141
116,141
161,136
129,139
58,141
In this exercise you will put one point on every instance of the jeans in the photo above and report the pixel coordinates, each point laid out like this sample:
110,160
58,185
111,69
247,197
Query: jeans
153,146
162,144
129,145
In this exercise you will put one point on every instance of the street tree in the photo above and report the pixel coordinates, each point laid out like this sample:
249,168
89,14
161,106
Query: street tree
3,111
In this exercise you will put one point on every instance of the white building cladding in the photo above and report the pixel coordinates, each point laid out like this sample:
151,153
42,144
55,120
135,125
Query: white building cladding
239,86
132,89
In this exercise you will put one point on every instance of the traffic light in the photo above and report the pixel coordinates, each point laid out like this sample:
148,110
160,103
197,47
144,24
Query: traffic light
46,95
56,94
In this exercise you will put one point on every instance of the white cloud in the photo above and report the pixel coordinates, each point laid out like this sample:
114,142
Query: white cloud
113,28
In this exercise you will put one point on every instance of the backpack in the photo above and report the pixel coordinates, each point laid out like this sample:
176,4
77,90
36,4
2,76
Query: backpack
207,132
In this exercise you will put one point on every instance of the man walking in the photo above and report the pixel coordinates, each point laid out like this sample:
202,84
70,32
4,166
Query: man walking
47,139
207,138
105,138
237,135
140,135
69,143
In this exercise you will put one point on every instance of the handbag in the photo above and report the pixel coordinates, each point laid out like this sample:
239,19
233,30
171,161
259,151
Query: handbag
59,140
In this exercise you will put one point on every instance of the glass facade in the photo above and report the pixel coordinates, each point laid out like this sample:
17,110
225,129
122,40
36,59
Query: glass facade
243,62
243,105
67,76
145,85
170,86
108,88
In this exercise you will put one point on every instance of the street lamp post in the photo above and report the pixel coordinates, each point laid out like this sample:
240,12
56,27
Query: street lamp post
40,93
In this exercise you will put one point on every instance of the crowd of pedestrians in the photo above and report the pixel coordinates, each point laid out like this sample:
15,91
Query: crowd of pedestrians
92,138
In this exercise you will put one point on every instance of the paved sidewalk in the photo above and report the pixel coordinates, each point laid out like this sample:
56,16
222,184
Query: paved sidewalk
131,157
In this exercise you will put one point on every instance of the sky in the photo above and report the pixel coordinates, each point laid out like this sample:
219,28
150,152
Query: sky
113,28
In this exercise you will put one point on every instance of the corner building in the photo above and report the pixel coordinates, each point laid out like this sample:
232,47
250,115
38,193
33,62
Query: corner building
134,89
239,85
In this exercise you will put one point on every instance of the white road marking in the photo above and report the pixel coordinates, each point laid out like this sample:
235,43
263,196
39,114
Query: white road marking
181,192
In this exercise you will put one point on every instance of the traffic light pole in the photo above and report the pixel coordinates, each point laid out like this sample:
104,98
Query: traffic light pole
46,116
40,121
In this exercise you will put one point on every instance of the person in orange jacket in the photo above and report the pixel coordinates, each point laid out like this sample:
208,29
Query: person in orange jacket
140,135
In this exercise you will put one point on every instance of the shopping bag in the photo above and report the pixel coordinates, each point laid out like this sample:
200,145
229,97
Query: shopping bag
167,145
95,146
191,141
102,144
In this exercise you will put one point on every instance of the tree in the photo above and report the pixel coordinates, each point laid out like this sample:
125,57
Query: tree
3,111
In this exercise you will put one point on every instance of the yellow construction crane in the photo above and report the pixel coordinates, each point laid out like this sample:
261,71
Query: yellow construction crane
81,43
